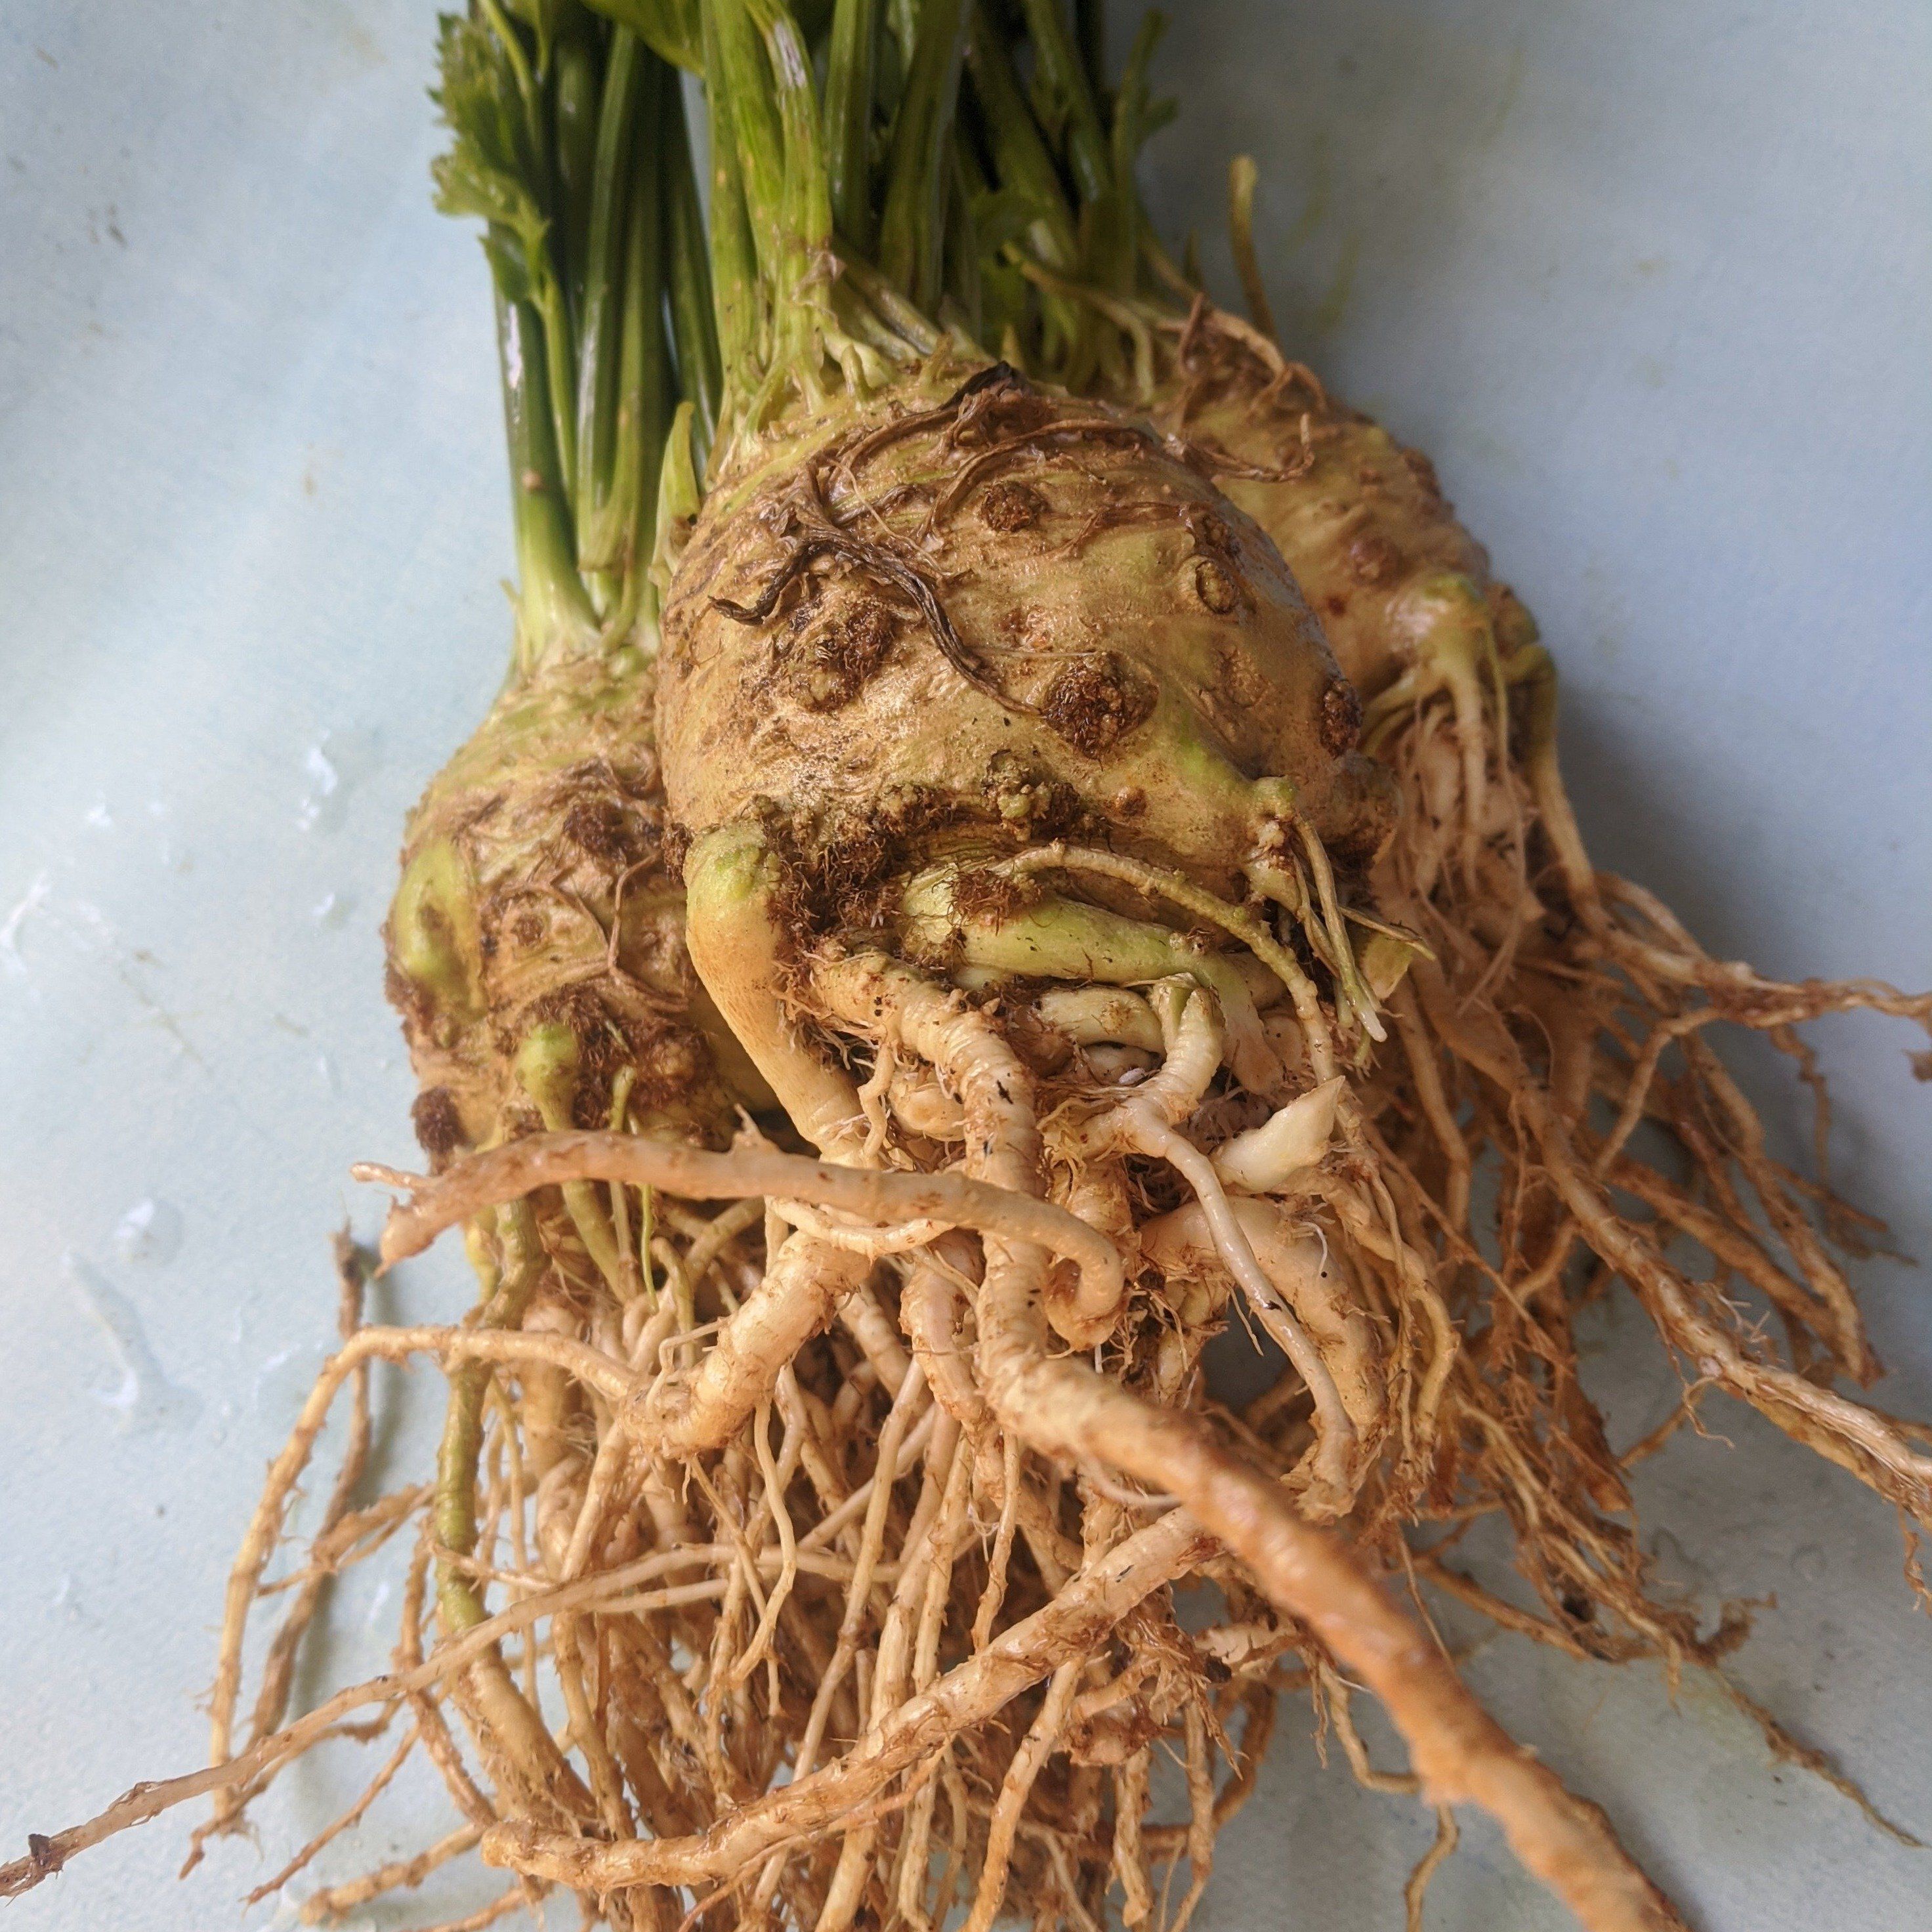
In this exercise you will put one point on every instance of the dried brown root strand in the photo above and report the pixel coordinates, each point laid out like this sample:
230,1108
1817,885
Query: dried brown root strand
806,1913
1460,1753
1709,1655
344,1822
1416,1890
1042,1738
1334,1701
353,1539
278,1669
1668,957
757,1340
531,1770
1846,1433
1715,1126
908,1652
514,1718
1089,1606
1065,1409
1131,1800
1721,1238
627,1603
439,1745
1194,1840
500,1907
1729,1243
148,1800
1789,1750
398,1875
1260,1701
843,1898
1743,993
384,1344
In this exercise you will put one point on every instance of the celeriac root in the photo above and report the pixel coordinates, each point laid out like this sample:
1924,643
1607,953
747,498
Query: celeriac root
841,1525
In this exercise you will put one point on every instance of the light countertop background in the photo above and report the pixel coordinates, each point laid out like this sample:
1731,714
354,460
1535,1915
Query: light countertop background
1651,281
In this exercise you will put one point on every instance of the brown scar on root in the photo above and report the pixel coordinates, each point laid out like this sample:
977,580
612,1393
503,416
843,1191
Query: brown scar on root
806,527
803,521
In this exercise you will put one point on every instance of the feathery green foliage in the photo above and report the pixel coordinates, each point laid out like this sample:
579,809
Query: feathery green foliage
569,143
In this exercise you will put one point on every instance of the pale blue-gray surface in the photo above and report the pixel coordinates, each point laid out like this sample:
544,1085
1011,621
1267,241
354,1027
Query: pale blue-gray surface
1651,283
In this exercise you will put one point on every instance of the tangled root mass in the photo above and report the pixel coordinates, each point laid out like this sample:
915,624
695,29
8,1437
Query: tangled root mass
853,1582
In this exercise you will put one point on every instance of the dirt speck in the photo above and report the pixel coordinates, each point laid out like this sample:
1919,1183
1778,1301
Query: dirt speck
1215,588
599,827
439,1126
1341,723
843,653
1374,558
1012,506
1095,702
981,897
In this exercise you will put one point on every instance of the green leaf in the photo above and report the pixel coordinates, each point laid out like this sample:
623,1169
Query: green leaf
499,170
851,86
912,226
1063,101
490,170
1004,216
545,19
509,268
670,28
